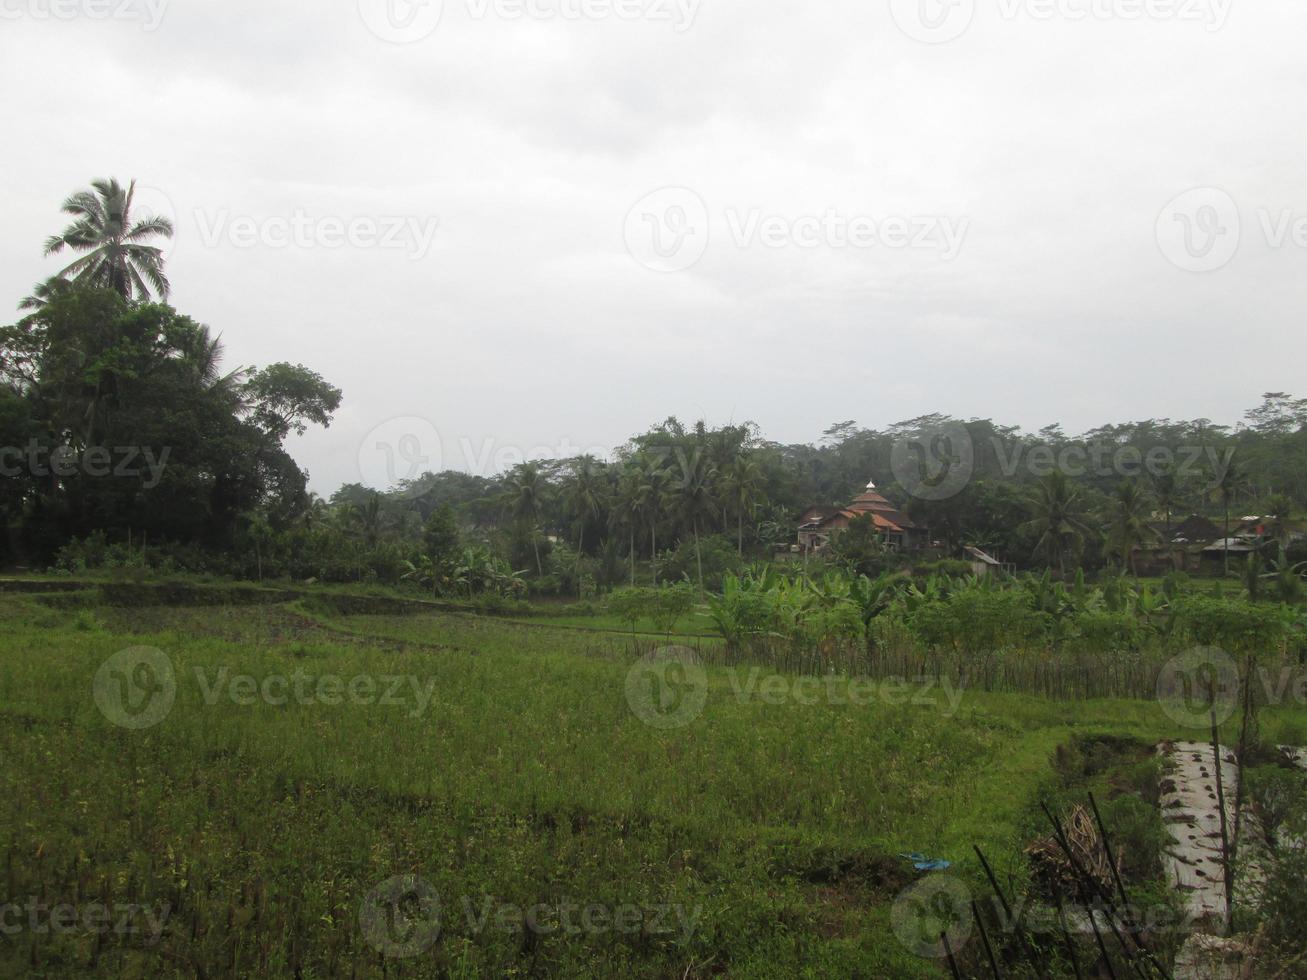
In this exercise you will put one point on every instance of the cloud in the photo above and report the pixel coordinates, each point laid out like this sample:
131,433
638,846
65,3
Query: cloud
1059,141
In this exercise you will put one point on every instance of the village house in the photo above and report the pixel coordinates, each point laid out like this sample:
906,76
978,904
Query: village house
819,524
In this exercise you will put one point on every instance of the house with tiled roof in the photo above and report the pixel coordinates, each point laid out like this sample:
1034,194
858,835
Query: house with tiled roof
818,525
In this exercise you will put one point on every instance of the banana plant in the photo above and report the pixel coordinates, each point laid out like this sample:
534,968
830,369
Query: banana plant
1286,577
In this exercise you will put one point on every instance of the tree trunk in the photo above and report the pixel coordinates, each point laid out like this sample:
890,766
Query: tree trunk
741,532
1225,542
633,556
653,550
698,556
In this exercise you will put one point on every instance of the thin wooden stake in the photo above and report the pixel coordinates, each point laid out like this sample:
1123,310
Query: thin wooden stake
989,952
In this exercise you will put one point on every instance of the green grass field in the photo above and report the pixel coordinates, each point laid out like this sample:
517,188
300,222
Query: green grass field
503,764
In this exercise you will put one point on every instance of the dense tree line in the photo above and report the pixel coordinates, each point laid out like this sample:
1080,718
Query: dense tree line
116,417
99,369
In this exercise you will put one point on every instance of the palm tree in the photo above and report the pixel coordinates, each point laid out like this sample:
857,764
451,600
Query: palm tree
1228,484
1127,523
586,495
371,519
315,513
1166,489
694,500
1057,516
525,500
43,293
1279,508
651,495
117,255
626,508
741,483
200,354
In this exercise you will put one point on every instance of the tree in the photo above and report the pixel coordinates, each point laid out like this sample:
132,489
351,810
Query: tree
650,497
1279,510
586,496
1226,486
525,501
440,535
694,501
44,292
1057,517
1167,491
1127,523
740,485
626,508
113,242
285,398
1279,414
861,547
137,393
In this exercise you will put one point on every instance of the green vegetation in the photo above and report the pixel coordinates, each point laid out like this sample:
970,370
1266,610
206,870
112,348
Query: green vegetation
610,684
511,770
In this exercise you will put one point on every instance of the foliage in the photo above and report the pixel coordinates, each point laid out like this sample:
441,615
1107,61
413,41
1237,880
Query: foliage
716,555
662,606
114,240
861,548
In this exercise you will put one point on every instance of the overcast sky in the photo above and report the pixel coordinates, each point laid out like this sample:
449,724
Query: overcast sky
553,223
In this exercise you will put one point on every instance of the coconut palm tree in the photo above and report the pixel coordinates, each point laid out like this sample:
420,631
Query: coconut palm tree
1127,523
43,293
1226,486
694,499
626,511
1278,508
586,496
651,494
115,244
1057,516
740,485
1167,492
524,498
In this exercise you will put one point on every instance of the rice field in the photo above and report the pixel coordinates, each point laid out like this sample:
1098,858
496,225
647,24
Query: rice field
278,790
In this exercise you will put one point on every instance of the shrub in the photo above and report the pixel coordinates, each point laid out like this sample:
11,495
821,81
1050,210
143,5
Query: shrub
671,603
719,558
630,605
1109,630
1234,625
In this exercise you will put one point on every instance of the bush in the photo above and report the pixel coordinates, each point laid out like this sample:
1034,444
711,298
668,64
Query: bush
629,605
1278,795
719,558
952,567
1234,625
978,620
1109,630
671,603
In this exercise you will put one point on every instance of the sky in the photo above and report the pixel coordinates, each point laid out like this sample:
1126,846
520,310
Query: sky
513,228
